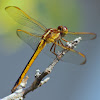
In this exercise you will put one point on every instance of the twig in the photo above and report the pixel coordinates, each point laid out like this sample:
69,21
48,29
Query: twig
21,92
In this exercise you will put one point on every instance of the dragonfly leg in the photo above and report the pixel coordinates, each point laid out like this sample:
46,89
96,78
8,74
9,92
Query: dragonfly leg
64,40
60,42
53,46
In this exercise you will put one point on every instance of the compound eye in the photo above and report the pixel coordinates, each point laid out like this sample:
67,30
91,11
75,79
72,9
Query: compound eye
60,28
64,28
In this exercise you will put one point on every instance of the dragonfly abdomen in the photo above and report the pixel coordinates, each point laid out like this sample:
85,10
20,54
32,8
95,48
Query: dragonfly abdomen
40,47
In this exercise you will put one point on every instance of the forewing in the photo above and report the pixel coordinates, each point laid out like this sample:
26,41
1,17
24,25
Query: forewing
84,35
22,18
30,38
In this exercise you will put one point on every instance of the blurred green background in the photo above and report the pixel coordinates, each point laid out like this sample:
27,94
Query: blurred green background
68,81
51,14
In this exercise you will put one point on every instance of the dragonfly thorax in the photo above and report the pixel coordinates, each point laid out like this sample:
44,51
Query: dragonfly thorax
51,35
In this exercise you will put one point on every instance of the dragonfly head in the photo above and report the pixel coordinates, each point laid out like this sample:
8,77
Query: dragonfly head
63,30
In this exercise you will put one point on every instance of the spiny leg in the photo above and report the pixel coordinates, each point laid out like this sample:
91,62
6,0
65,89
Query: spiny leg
61,42
53,46
64,40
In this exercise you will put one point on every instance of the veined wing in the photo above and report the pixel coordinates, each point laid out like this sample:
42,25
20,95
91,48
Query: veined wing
74,58
26,36
30,38
71,56
33,40
85,36
22,18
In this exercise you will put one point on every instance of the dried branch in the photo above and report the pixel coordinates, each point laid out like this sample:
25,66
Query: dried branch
21,91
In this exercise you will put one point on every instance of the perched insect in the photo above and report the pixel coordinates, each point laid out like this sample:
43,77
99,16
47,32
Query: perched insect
54,38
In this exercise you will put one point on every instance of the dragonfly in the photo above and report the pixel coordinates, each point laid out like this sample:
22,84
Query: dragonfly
50,40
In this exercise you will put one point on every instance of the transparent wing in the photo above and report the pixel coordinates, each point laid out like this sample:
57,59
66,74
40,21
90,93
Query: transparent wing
22,18
71,56
85,36
33,40
30,38
74,57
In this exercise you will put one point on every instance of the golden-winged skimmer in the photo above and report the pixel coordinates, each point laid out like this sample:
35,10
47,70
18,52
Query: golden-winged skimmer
54,38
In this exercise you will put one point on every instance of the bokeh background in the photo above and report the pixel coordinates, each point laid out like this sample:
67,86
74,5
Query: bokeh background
68,81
